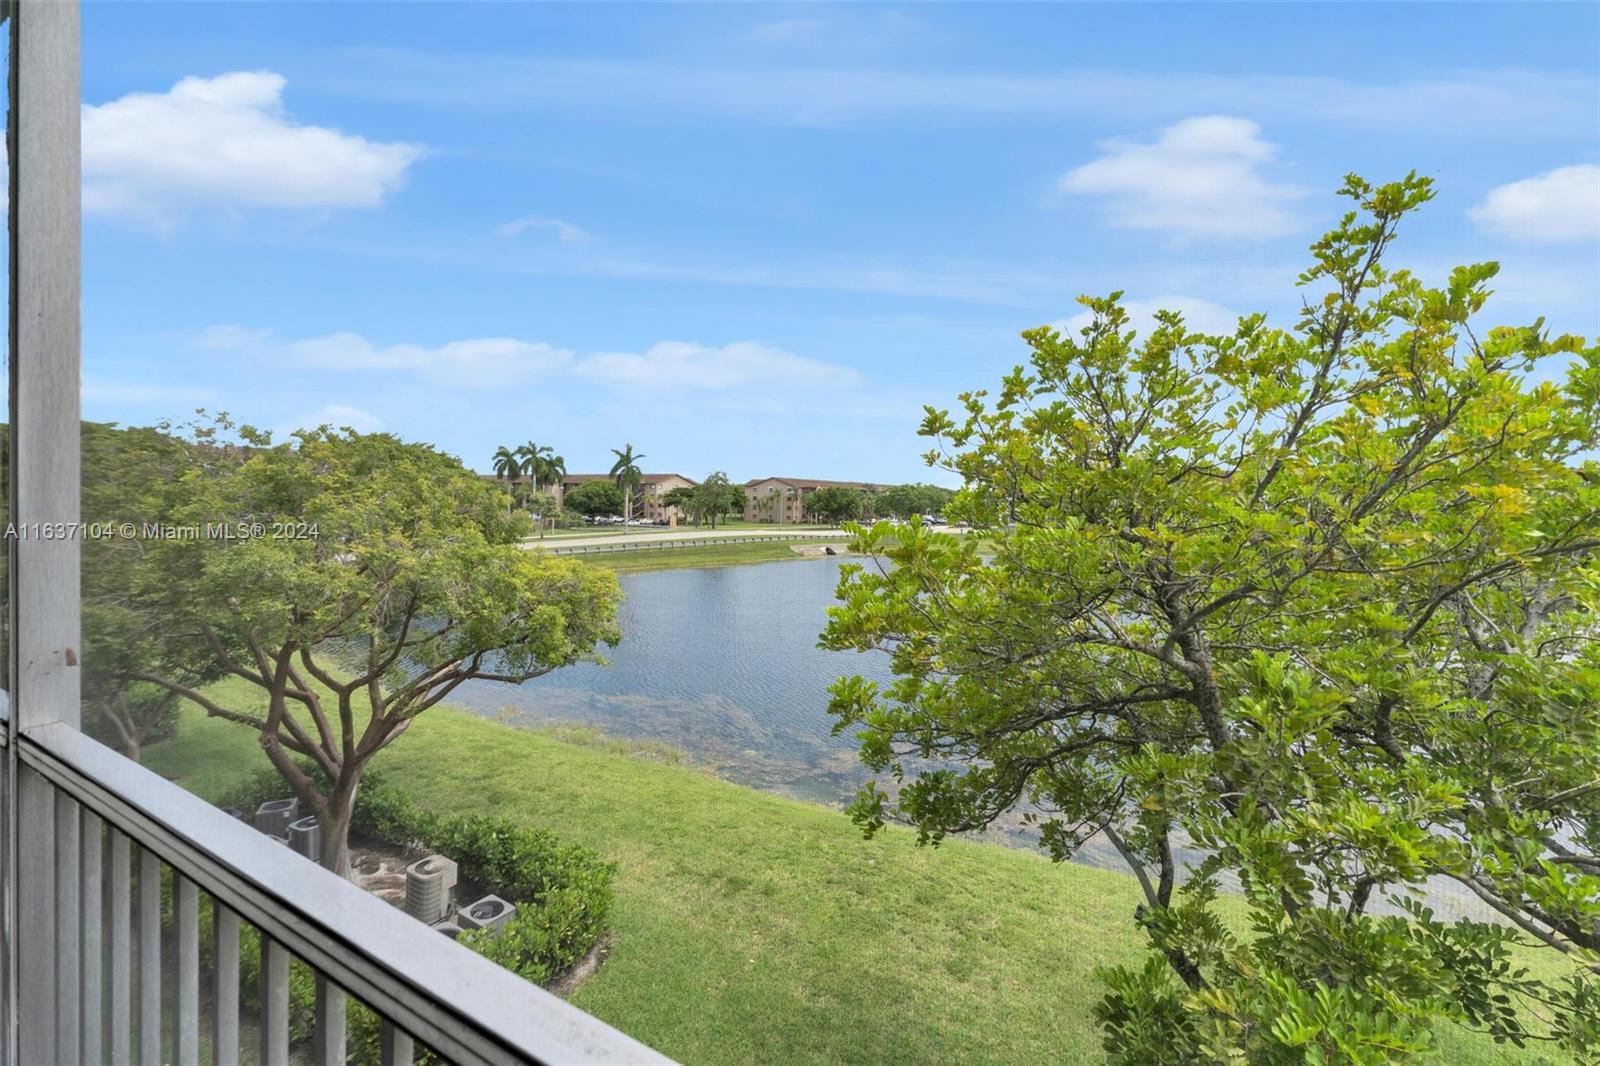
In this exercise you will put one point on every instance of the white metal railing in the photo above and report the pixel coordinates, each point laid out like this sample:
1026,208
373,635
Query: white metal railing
96,833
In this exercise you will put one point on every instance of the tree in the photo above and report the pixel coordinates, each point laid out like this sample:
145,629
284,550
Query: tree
540,464
507,465
625,472
127,477
903,501
682,497
834,503
373,578
1317,605
595,498
544,507
712,498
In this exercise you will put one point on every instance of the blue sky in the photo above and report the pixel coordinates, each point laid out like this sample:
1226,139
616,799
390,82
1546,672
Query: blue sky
759,238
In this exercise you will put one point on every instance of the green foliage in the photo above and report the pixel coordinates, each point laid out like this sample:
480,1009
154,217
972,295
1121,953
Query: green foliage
1317,604
563,892
370,579
128,477
835,503
595,498
903,501
708,501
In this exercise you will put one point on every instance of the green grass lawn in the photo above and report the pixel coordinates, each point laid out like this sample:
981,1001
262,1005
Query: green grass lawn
751,928
694,557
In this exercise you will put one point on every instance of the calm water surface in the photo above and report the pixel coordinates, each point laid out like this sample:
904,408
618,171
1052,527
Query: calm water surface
721,662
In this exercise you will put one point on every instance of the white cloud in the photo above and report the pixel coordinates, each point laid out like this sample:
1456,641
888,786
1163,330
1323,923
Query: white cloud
1199,315
485,363
231,338
1202,177
1558,206
227,140
565,232
1455,106
337,415
144,394
480,363
786,31
679,366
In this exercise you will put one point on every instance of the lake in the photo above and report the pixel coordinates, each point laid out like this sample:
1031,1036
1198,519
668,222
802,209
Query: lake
721,662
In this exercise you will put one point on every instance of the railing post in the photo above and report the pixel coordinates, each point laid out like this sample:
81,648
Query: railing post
149,958
91,933
44,207
224,985
36,917
274,985
186,1019
45,210
119,903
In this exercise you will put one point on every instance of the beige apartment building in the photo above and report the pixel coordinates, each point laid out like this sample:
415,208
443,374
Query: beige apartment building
647,502
783,499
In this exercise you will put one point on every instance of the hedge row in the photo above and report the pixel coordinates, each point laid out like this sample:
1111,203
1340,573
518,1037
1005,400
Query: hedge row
562,891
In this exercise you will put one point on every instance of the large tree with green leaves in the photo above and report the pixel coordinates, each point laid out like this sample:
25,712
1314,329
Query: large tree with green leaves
835,503
1313,606
128,477
366,579
594,498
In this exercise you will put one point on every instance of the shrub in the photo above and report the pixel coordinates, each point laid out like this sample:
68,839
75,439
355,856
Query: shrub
562,892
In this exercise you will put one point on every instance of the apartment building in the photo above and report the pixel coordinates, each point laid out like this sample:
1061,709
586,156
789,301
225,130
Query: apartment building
647,502
783,499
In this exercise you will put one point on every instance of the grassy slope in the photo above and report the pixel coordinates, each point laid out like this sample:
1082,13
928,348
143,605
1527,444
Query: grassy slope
754,928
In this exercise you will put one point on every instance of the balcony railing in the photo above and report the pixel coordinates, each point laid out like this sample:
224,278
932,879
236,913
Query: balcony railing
96,833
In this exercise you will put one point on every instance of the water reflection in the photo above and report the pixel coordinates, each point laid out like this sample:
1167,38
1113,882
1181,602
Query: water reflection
720,662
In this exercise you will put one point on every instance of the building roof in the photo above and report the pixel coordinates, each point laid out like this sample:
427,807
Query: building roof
814,483
644,479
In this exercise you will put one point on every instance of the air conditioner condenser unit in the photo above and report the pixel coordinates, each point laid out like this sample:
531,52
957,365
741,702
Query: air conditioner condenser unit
430,889
305,837
490,912
273,817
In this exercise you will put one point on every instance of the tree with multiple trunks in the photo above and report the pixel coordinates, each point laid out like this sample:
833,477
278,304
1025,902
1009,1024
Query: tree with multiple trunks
1312,607
371,579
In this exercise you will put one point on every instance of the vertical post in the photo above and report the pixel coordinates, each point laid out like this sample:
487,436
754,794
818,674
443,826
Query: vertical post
149,958
224,985
394,1045
43,146
120,982
67,913
45,208
329,1038
186,1019
36,917
91,932
274,988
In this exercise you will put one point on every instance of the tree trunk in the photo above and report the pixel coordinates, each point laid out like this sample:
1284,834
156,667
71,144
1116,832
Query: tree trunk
335,825
116,712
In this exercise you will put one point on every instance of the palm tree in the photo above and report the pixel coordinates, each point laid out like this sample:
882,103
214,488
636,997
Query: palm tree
535,458
555,469
625,472
506,465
